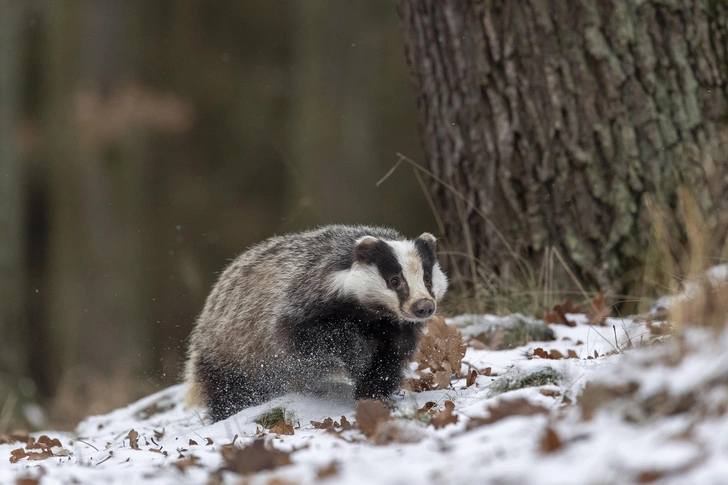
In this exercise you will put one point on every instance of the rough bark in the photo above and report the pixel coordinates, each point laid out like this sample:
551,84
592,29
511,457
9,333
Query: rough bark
556,119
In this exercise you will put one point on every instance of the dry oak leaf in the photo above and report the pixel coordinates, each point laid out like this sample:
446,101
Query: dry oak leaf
42,455
281,427
472,376
26,481
506,408
133,439
17,455
445,417
43,443
598,311
441,351
558,313
345,424
184,463
330,470
327,423
428,408
550,441
254,458
552,354
369,413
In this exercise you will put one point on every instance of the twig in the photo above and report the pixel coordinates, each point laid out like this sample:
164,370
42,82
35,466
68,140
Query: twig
87,443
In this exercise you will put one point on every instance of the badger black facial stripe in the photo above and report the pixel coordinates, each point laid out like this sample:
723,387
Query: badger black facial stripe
380,254
428,262
413,272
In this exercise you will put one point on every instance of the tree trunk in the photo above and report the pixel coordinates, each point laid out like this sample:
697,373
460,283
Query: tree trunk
555,120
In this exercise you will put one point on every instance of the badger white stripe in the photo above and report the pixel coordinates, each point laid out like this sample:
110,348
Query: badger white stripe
412,271
364,282
439,282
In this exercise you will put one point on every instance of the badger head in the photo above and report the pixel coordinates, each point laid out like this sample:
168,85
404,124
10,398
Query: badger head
401,277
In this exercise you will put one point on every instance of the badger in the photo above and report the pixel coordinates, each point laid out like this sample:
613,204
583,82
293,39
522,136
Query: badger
296,309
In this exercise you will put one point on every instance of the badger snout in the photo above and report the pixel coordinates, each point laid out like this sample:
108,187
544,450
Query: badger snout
423,308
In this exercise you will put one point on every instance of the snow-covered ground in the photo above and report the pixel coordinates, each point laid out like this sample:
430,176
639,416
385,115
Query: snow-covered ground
649,414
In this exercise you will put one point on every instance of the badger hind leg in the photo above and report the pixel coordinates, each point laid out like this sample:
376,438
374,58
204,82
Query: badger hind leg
228,389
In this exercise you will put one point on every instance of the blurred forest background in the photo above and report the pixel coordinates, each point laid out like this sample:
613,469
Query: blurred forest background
569,147
146,143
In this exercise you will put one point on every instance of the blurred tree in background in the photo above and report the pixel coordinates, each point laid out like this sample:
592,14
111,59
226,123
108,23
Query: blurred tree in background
145,144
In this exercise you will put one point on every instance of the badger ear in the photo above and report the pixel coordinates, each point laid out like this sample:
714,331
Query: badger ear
430,240
363,249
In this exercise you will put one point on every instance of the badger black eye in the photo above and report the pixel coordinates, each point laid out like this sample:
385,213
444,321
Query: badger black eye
394,282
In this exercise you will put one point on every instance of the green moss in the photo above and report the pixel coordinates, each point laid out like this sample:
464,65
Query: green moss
269,418
516,379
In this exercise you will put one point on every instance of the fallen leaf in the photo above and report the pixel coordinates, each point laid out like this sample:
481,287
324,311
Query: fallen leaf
26,481
369,413
184,463
572,354
209,442
550,441
345,424
472,376
193,442
43,443
558,313
445,417
39,455
441,351
552,354
158,434
254,458
441,378
279,481
649,476
327,423
281,427
427,408
506,408
17,455
549,392
133,439
555,354
598,311
487,371
330,470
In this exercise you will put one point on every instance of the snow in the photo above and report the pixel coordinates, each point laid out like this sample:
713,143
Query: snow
631,438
